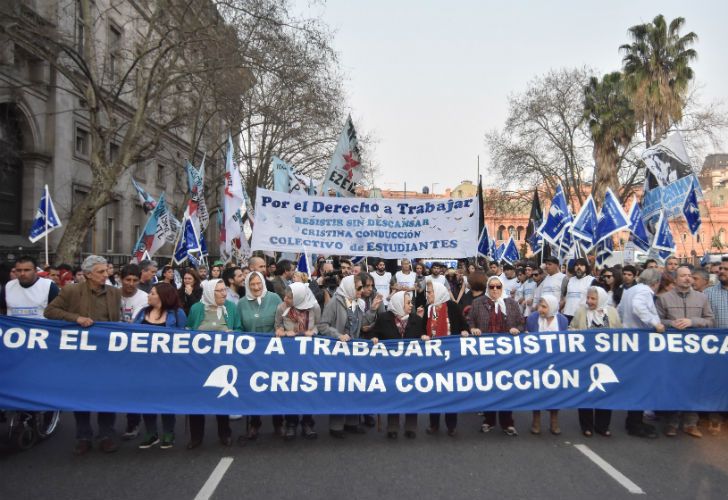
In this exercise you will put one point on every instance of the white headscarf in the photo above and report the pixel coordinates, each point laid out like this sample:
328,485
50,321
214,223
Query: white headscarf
544,325
249,295
500,303
347,289
596,316
396,305
441,293
208,297
303,298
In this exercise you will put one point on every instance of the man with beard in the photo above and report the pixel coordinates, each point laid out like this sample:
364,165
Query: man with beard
382,281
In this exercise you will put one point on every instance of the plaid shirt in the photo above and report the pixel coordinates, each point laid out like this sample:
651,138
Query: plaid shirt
718,297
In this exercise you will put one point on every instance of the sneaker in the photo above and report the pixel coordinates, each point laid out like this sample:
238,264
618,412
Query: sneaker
236,417
130,433
290,434
693,430
644,431
671,431
82,447
510,431
485,428
649,415
149,441
167,441
308,432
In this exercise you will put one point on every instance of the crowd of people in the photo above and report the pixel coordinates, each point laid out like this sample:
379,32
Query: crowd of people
364,300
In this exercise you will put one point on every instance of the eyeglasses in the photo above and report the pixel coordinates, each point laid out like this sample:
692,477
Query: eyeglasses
495,287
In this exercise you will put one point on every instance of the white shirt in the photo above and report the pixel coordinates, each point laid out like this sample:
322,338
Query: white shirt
551,285
526,292
637,307
130,306
407,280
440,279
27,302
382,283
509,285
576,293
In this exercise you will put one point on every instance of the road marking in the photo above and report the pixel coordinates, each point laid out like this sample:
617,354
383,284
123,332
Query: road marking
609,469
209,487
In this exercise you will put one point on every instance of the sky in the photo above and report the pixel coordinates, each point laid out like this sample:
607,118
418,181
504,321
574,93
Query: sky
428,79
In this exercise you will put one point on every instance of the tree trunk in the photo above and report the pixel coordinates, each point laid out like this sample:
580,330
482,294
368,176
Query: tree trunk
605,174
82,217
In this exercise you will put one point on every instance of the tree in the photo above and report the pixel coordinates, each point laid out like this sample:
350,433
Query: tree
612,126
657,69
154,86
545,139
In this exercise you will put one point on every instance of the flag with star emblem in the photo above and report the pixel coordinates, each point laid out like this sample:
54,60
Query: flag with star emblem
345,169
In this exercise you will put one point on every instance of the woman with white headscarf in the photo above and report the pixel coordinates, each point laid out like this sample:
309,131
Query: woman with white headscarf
443,318
399,322
212,313
342,319
298,315
257,311
492,314
546,318
596,313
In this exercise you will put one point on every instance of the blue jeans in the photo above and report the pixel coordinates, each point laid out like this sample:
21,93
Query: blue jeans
168,421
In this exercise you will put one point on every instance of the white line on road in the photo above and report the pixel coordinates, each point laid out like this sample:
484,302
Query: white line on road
209,487
609,469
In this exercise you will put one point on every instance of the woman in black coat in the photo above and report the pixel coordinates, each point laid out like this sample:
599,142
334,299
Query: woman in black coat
399,322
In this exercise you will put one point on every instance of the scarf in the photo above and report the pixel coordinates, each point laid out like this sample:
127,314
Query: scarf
396,306
549,323
347,290
438,323
208,298
597,316
248,294
499,303
303,298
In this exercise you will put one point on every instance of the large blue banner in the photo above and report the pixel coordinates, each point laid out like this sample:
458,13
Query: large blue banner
139,368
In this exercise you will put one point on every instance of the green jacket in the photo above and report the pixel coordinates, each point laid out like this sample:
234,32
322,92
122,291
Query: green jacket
197,314
264,322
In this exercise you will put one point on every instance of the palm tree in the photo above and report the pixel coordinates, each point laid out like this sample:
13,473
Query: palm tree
656,66
612,125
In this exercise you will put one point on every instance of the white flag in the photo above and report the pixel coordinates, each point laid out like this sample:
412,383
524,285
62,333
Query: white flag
234,200
345,169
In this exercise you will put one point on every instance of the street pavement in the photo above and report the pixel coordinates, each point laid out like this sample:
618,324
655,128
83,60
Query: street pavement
470,465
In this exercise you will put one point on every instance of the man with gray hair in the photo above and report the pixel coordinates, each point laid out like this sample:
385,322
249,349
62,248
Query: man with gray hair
84,303
637,310
149,271
701,280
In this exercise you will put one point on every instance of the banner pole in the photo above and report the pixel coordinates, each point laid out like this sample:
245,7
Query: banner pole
45,238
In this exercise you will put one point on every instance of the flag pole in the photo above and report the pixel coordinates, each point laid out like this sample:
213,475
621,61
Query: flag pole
45,238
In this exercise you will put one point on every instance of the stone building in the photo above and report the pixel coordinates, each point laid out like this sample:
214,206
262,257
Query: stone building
45,139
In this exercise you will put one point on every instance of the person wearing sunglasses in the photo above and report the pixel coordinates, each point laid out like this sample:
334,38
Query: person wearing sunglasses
342,319
492,314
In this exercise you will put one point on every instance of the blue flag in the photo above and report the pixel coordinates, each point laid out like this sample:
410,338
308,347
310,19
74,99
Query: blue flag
188,245
638,231
566,242
612,217
663,239
492,248
484,243
510,252
498,254
584,228
557,218
46,218
281,175
605,248
303,265
691,211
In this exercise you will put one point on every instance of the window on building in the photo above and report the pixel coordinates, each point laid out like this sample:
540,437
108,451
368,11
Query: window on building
511,232
161,174
79,28
110,234
520,234
114,48
685,237
500,235
82,142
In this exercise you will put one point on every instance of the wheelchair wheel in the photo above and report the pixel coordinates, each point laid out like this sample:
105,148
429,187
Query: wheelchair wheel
46,423
22,432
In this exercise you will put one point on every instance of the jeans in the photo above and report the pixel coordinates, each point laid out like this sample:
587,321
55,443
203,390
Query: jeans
83,424
168,421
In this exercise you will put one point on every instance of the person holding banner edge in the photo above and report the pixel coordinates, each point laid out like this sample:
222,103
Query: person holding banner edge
490,314
84,303
443,318
213,313
342,318
399,322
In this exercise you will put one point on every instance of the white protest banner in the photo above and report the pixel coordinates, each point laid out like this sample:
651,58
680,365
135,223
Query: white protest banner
387,228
